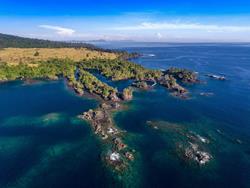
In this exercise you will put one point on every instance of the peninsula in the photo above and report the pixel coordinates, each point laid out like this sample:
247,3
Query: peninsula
33,59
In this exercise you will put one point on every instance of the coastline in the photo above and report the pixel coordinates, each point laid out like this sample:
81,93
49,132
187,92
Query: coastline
156,156
79,79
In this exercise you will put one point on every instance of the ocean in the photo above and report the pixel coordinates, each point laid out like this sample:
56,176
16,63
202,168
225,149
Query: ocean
44,144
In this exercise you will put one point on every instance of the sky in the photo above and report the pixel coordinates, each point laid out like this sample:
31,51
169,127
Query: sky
138,20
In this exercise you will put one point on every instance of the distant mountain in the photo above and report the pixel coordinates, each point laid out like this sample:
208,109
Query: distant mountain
7,41
100,41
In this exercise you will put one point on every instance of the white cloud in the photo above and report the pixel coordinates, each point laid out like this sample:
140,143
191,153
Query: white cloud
185,26
159,35
59,30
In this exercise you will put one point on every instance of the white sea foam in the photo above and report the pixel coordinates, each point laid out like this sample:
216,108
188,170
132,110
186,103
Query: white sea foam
149,55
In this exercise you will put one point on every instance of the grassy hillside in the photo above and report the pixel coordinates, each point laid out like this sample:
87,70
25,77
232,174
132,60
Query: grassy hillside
10,41
74,64
15,50
15,56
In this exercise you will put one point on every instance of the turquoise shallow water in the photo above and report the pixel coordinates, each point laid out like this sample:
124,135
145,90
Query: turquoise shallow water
43,144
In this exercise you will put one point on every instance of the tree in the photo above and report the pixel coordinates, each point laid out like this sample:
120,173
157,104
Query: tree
36,53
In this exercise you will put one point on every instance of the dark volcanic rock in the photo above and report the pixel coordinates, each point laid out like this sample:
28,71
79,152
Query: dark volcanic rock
201,157
141,85
113,97
184,75
170,82
101,121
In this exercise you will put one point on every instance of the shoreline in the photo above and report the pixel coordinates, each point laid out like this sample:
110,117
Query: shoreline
79,79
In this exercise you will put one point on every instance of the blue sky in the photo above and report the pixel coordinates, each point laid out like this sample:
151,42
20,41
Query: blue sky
148,20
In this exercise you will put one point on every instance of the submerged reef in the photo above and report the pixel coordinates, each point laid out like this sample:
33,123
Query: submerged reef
189,146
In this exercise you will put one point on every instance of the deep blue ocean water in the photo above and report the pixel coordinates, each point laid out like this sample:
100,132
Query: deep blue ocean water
43,144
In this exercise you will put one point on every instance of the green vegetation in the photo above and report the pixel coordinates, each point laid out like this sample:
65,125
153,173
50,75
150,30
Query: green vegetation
120,70
141,85
170,82
33,59
93,85
51,69
81,80
10,41
183,74
124,55
54,69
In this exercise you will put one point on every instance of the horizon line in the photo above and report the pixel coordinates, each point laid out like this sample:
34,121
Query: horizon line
202,41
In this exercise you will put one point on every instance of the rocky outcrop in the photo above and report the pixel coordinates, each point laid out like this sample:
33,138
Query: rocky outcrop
120,155
127,94
129,56
79,91
141,85
184,75
113,97
193,153
189,145
170,82
216,77
99,119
